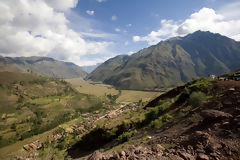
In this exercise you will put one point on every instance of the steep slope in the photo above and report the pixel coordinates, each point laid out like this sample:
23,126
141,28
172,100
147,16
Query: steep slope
199,120
45,66
31,104
173,62
108,68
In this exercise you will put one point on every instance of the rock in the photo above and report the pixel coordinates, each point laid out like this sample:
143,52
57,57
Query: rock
116,155
202,156
186,156
213,146
122,153
96,156
201,134
214,114
157,148
174,157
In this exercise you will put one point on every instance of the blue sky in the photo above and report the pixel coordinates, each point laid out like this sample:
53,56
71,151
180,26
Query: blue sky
87,32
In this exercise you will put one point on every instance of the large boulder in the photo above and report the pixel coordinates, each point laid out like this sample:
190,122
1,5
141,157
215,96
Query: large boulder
214,114
96,156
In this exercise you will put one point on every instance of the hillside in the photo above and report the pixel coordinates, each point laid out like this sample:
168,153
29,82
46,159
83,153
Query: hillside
171,62
44,66
31,104
107,68
199,120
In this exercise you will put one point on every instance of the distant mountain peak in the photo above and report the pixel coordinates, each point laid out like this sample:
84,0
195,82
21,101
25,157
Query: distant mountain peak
171,62
45,66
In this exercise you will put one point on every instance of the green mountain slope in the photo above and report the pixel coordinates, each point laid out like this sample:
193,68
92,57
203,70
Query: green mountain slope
31,104
107,68
45,66
172,62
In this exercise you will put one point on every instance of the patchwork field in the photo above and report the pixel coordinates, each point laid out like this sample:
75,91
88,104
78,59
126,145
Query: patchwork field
101,90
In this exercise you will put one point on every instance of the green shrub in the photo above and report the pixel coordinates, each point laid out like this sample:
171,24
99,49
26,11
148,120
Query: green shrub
156,123
152,114
166,118
163,107
196,98
123,127
126,135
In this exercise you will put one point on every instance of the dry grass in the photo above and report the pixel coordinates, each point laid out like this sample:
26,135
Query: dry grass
101,90
17,148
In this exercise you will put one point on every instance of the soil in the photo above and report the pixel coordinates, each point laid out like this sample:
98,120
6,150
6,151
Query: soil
210,132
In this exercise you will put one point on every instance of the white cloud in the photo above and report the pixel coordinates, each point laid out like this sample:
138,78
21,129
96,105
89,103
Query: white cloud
126,43
114,18
62,5
130,52
40,28
129,25
90,12
117,30
100,1
205,19
168,29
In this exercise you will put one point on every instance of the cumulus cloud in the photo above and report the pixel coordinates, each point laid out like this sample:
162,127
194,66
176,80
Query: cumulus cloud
114,18
205,19
62,5
168,29
90,12
40,28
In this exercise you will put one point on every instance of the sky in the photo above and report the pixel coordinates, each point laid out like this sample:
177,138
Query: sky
87,32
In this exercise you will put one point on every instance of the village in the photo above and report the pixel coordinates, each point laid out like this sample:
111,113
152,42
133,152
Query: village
226,77
90,119
79,129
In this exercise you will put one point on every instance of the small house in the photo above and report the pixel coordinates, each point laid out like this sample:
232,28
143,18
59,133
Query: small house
236,77
212,76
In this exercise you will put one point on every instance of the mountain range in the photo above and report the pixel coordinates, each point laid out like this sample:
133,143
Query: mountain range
44,66
171,62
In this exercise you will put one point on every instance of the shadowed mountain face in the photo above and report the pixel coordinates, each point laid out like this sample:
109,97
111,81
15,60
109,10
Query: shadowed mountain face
171,62
45,66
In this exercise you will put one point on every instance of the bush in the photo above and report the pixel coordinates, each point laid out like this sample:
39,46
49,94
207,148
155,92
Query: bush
166,118
196,98
164,106
156,123
152,114
126,135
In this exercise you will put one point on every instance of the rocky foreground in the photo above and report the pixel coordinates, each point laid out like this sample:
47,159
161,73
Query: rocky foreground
210,132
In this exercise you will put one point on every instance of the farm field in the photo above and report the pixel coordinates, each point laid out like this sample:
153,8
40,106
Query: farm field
101,90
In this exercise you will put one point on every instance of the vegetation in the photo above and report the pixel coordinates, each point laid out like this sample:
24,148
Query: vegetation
126,135
31,105
171,62
48,66
196,98
102,90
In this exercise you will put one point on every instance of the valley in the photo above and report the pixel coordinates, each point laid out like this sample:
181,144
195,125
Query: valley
35,108
163,102
102,90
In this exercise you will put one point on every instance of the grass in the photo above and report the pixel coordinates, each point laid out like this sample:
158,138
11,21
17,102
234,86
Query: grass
38,104
10,150
101,90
